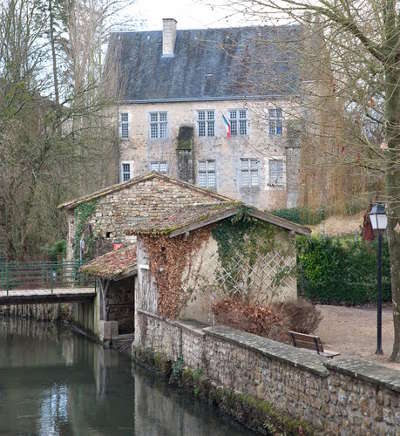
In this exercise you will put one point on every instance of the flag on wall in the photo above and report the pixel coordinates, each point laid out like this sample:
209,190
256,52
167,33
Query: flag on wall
227,126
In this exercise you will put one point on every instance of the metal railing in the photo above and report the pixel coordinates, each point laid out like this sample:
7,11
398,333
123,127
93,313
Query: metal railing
42,275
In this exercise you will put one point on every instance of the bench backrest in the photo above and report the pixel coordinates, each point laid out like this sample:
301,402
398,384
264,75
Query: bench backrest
310,342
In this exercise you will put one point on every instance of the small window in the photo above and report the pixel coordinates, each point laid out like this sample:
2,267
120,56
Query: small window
126,171
238,120
206,122
158,125
124,125
159,167
249,176
206,174
275,122
276,174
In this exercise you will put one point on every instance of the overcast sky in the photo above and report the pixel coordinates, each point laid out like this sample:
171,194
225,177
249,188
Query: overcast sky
190,14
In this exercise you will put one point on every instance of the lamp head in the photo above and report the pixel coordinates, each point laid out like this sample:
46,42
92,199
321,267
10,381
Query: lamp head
378,217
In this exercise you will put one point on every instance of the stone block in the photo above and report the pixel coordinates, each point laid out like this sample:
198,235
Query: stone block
108,330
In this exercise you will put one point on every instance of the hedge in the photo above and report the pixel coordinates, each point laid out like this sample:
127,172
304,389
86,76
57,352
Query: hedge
340,271
302,215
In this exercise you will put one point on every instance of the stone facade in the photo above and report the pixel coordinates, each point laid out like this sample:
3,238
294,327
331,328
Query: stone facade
340,396
140,150
119,208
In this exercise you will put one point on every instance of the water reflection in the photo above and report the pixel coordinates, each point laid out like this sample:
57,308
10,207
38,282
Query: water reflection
53,382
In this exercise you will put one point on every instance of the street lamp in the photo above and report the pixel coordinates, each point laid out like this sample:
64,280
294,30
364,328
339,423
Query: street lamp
378,220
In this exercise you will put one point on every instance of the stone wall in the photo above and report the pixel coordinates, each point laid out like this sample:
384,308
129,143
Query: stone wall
341,396
120,209
227,152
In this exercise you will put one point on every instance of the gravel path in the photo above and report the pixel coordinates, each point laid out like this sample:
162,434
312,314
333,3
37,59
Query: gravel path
352,331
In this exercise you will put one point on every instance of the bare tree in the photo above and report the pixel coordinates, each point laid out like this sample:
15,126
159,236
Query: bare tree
56,139
362,42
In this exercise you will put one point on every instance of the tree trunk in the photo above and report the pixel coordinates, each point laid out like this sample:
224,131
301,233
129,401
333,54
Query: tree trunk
393,184
392,116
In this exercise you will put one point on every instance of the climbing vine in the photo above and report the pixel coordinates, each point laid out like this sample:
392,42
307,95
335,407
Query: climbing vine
243,242
169,258
82,213
243,234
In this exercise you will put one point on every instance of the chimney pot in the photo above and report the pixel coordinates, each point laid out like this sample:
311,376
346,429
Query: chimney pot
168,37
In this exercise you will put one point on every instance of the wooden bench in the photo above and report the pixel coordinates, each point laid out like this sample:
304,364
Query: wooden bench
311,342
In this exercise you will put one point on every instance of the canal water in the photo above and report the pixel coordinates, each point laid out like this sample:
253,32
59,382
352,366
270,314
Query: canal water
54,382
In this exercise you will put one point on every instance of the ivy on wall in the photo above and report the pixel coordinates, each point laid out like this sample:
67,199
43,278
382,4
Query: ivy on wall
242,241
82,214
243,234
169,258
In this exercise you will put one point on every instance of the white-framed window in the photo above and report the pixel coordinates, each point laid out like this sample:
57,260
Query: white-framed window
239,122
249,173
206,122
158,125
124,125
207,174
126,170
159,167
275,121
276,171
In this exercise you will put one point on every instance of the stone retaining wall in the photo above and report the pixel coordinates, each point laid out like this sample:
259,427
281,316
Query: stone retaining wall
341,395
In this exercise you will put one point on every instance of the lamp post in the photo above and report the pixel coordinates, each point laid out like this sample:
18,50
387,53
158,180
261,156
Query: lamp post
378,220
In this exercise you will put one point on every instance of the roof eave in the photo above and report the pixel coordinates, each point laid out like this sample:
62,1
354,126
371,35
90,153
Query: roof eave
255,213
209,98
203,223
280,222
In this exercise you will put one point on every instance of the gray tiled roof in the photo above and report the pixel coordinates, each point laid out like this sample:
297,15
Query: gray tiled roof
225,63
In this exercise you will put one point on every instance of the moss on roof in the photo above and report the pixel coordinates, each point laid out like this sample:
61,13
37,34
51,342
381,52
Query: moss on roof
113,265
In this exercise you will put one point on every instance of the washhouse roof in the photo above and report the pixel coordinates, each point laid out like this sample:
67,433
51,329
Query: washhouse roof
114,265
182,220
72,204
220,64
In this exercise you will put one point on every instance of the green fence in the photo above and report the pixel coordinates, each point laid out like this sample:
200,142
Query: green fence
42,275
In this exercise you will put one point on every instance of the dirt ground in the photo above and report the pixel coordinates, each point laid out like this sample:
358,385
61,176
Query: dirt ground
352,331
339,225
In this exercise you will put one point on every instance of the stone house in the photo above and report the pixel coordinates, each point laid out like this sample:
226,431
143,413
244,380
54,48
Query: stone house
99,222
214,107
191,257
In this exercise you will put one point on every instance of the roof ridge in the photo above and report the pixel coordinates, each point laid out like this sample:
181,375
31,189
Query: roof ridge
123,185
200,29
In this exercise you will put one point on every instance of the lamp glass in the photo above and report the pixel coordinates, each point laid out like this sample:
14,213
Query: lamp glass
378,217
382,222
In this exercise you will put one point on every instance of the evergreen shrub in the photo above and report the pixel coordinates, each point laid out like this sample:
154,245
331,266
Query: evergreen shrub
302,215
341,270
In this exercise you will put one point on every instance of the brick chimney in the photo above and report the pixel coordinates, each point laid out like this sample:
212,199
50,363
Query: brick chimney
168,37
